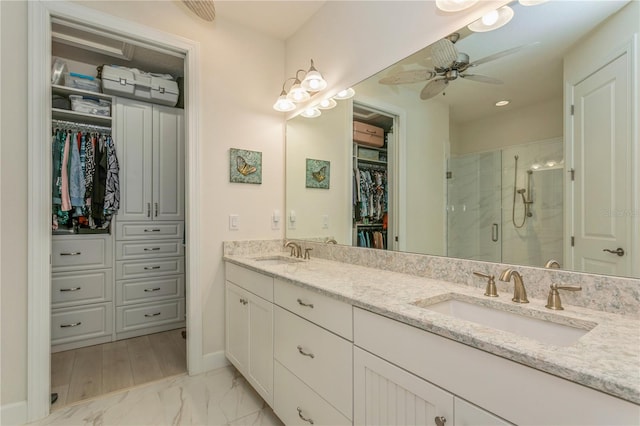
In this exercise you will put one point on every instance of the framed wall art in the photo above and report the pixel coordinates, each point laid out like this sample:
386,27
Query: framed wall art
318,173
245,166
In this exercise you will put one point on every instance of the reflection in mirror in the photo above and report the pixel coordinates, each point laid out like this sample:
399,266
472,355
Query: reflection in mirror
523,183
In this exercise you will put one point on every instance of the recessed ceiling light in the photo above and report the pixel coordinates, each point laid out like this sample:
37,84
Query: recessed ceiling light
502,103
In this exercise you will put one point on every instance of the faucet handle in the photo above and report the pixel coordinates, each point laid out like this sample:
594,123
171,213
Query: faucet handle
491,289
553,301
306,253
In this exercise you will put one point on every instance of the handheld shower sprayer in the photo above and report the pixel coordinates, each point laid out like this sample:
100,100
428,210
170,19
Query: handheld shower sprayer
527,202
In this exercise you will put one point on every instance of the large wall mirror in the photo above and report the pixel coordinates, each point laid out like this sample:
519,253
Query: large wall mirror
523,183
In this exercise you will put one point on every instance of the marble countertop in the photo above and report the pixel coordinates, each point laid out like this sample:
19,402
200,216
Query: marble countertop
606,358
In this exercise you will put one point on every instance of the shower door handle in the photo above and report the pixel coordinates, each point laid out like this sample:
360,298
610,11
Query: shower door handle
494,232
619,251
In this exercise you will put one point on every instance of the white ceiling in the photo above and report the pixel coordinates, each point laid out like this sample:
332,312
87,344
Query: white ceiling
279,19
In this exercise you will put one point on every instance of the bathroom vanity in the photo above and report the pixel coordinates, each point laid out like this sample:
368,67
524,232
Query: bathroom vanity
337,343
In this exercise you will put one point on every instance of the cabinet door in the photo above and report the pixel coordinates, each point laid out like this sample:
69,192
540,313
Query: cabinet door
168,163
468,414
260,367
134,149
387,395
236,326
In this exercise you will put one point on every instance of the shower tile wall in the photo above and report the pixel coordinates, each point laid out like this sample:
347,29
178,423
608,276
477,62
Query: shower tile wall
541,237
474,206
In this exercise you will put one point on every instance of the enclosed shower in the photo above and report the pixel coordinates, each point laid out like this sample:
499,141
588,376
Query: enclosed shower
507,205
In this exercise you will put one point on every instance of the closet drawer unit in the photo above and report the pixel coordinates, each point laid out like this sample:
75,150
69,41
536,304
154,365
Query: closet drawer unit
135,317
126,269
367,134
126,250
149,290
319,358
151,230
79,323
325,311
255,282
81,287
297,404
78,252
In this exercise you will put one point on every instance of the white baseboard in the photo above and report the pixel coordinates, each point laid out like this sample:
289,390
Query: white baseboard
213,361
13,414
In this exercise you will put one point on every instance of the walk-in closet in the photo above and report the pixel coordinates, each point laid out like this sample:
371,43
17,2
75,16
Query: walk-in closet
118,213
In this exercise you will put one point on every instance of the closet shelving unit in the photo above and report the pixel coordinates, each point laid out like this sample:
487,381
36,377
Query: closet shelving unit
81,118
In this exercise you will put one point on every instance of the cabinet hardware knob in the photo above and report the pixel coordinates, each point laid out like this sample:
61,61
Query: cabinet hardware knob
306,305
151,248
75,324
71,289
152,315
440,420
302,352
152,230
308,420
73,253
243,301
156,209
152,289
149,268
619,251
148,209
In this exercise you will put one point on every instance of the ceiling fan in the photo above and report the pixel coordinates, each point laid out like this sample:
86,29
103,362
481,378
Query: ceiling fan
449,64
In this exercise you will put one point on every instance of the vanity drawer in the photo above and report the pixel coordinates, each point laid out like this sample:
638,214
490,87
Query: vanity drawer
325,311
294,400
255,282
149,290
79,323
126,250
126,269
80,252
149,230
319,358
129,318
80,287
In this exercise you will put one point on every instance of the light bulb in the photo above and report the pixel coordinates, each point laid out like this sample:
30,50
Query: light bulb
490,18
345,94
283,104
312,112
327,104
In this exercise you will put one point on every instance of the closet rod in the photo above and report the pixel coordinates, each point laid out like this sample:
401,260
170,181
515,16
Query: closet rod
372,167
72,125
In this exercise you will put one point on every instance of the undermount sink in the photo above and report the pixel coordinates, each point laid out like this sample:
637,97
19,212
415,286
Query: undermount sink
542,330
277,260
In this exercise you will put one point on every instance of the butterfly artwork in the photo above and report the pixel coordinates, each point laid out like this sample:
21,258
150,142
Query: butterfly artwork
317,174
245,166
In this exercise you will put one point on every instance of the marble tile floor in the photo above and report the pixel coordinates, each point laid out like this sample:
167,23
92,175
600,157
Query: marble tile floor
218,397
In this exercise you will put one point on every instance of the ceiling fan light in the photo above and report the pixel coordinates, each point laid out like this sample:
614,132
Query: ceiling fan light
492,20
345,94
454,5
327,104
312,112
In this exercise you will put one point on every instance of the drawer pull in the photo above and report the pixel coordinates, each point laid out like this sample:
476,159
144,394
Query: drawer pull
308,420
440,420
152,315
71,289
148,212
156,209
151,289
152,230
151,248
150,268
75,324
302,352
306,305
73,253
243,301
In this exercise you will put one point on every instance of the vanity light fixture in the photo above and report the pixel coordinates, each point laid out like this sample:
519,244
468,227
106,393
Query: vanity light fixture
312,112
531,2
345,94
492,20
503,102
327,103
301,90
454,5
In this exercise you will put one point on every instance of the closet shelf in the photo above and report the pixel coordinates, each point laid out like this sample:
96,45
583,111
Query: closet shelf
366,160
64,114
66,91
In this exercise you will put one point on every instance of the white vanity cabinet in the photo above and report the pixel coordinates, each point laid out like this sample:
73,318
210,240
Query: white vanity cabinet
249,327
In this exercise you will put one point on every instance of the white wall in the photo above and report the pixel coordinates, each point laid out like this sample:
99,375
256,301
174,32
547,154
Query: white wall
230,55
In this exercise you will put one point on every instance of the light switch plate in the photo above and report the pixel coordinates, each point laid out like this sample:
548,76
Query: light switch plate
234,222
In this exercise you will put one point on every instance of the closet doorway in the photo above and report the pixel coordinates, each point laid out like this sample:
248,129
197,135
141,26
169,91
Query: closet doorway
119,320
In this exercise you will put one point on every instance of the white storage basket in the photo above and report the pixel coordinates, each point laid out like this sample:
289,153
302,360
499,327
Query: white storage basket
122,81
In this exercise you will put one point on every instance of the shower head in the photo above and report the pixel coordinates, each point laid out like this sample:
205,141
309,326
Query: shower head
522,191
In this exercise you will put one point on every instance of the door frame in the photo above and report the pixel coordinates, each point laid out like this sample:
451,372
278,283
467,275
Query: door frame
39,177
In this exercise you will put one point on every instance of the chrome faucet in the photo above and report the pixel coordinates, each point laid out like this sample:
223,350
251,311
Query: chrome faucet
519,292
296,250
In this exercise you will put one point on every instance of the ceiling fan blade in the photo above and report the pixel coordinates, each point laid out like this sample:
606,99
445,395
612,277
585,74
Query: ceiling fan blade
443,53
433,88
410,76
481,78
502,54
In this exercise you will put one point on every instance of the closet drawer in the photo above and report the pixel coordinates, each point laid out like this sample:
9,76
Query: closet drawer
255,282
81,287
79,323
126,269
319,358
292,400
79,252
126,250
149,290
149,230
134,317
325,311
